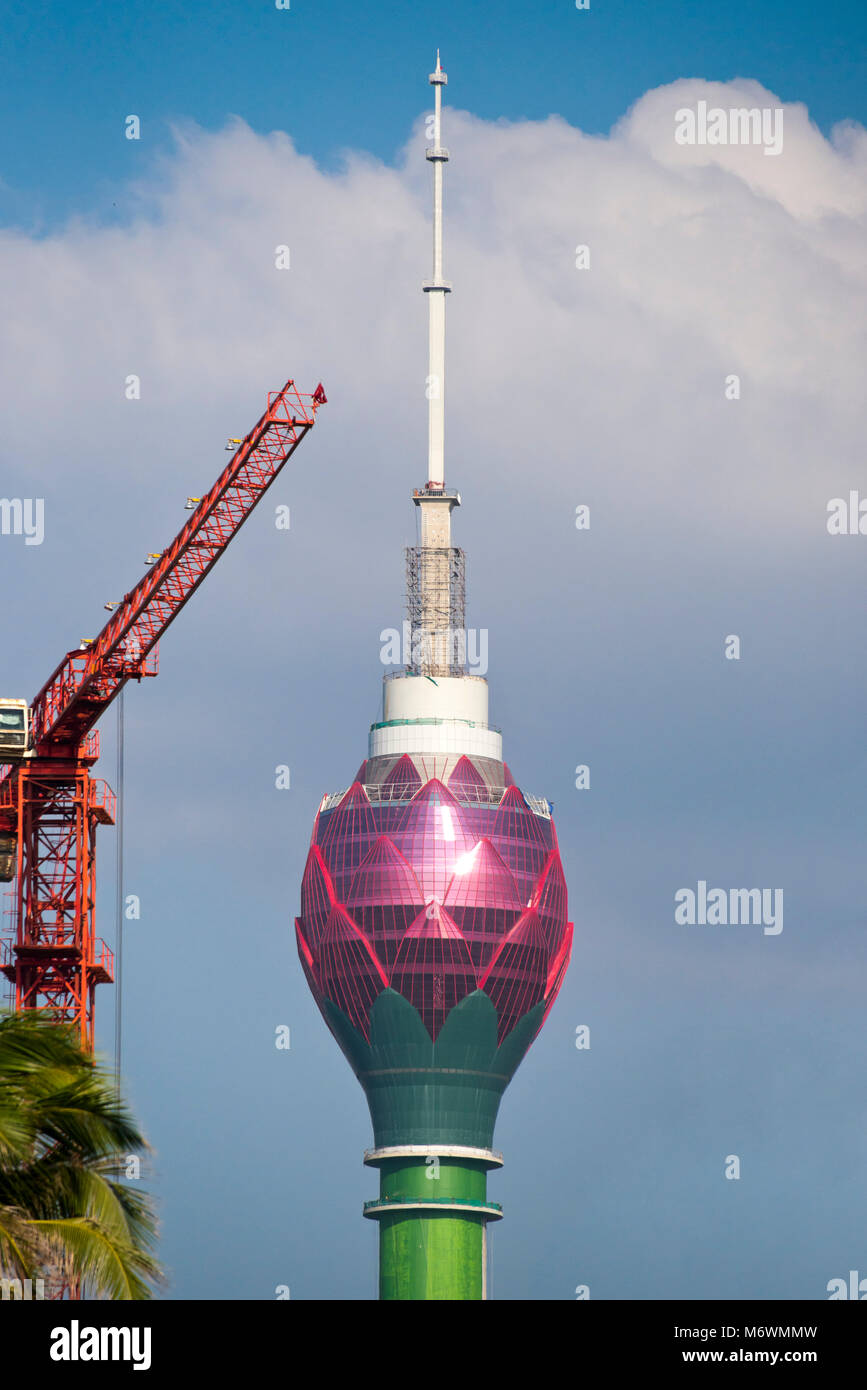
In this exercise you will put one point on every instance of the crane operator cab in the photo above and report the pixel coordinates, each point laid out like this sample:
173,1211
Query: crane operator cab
15,745
8,857
15,731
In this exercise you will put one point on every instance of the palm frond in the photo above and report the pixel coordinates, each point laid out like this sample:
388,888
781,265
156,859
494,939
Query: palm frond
64,1134
112,1268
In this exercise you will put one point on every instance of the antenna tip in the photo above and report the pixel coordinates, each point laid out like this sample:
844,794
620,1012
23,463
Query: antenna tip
438,76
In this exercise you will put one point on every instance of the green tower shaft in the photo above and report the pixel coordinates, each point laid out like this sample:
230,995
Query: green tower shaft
433,1213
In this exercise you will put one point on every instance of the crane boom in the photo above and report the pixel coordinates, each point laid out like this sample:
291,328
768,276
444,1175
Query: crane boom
85,683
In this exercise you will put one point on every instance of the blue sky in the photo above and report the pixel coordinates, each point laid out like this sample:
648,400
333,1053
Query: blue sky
345,74
566,387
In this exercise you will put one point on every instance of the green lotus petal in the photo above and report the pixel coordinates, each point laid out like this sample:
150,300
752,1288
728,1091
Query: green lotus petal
420,1092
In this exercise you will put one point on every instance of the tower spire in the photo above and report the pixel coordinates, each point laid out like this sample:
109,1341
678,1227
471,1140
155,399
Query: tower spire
435,569
436,289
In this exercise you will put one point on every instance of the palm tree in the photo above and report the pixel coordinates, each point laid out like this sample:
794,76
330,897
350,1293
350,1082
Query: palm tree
64,1133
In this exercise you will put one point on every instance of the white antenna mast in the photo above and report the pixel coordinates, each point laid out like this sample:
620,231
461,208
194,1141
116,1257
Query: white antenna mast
435,575
437,289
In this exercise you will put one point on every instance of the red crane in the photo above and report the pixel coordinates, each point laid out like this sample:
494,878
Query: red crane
50,805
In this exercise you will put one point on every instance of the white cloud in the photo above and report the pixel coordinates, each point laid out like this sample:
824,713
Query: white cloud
704,261
811,177
603,385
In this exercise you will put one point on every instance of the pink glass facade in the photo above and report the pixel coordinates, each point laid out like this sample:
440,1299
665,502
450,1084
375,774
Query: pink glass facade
434,889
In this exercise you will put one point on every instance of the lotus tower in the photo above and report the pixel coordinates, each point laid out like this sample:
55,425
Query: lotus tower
433,928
